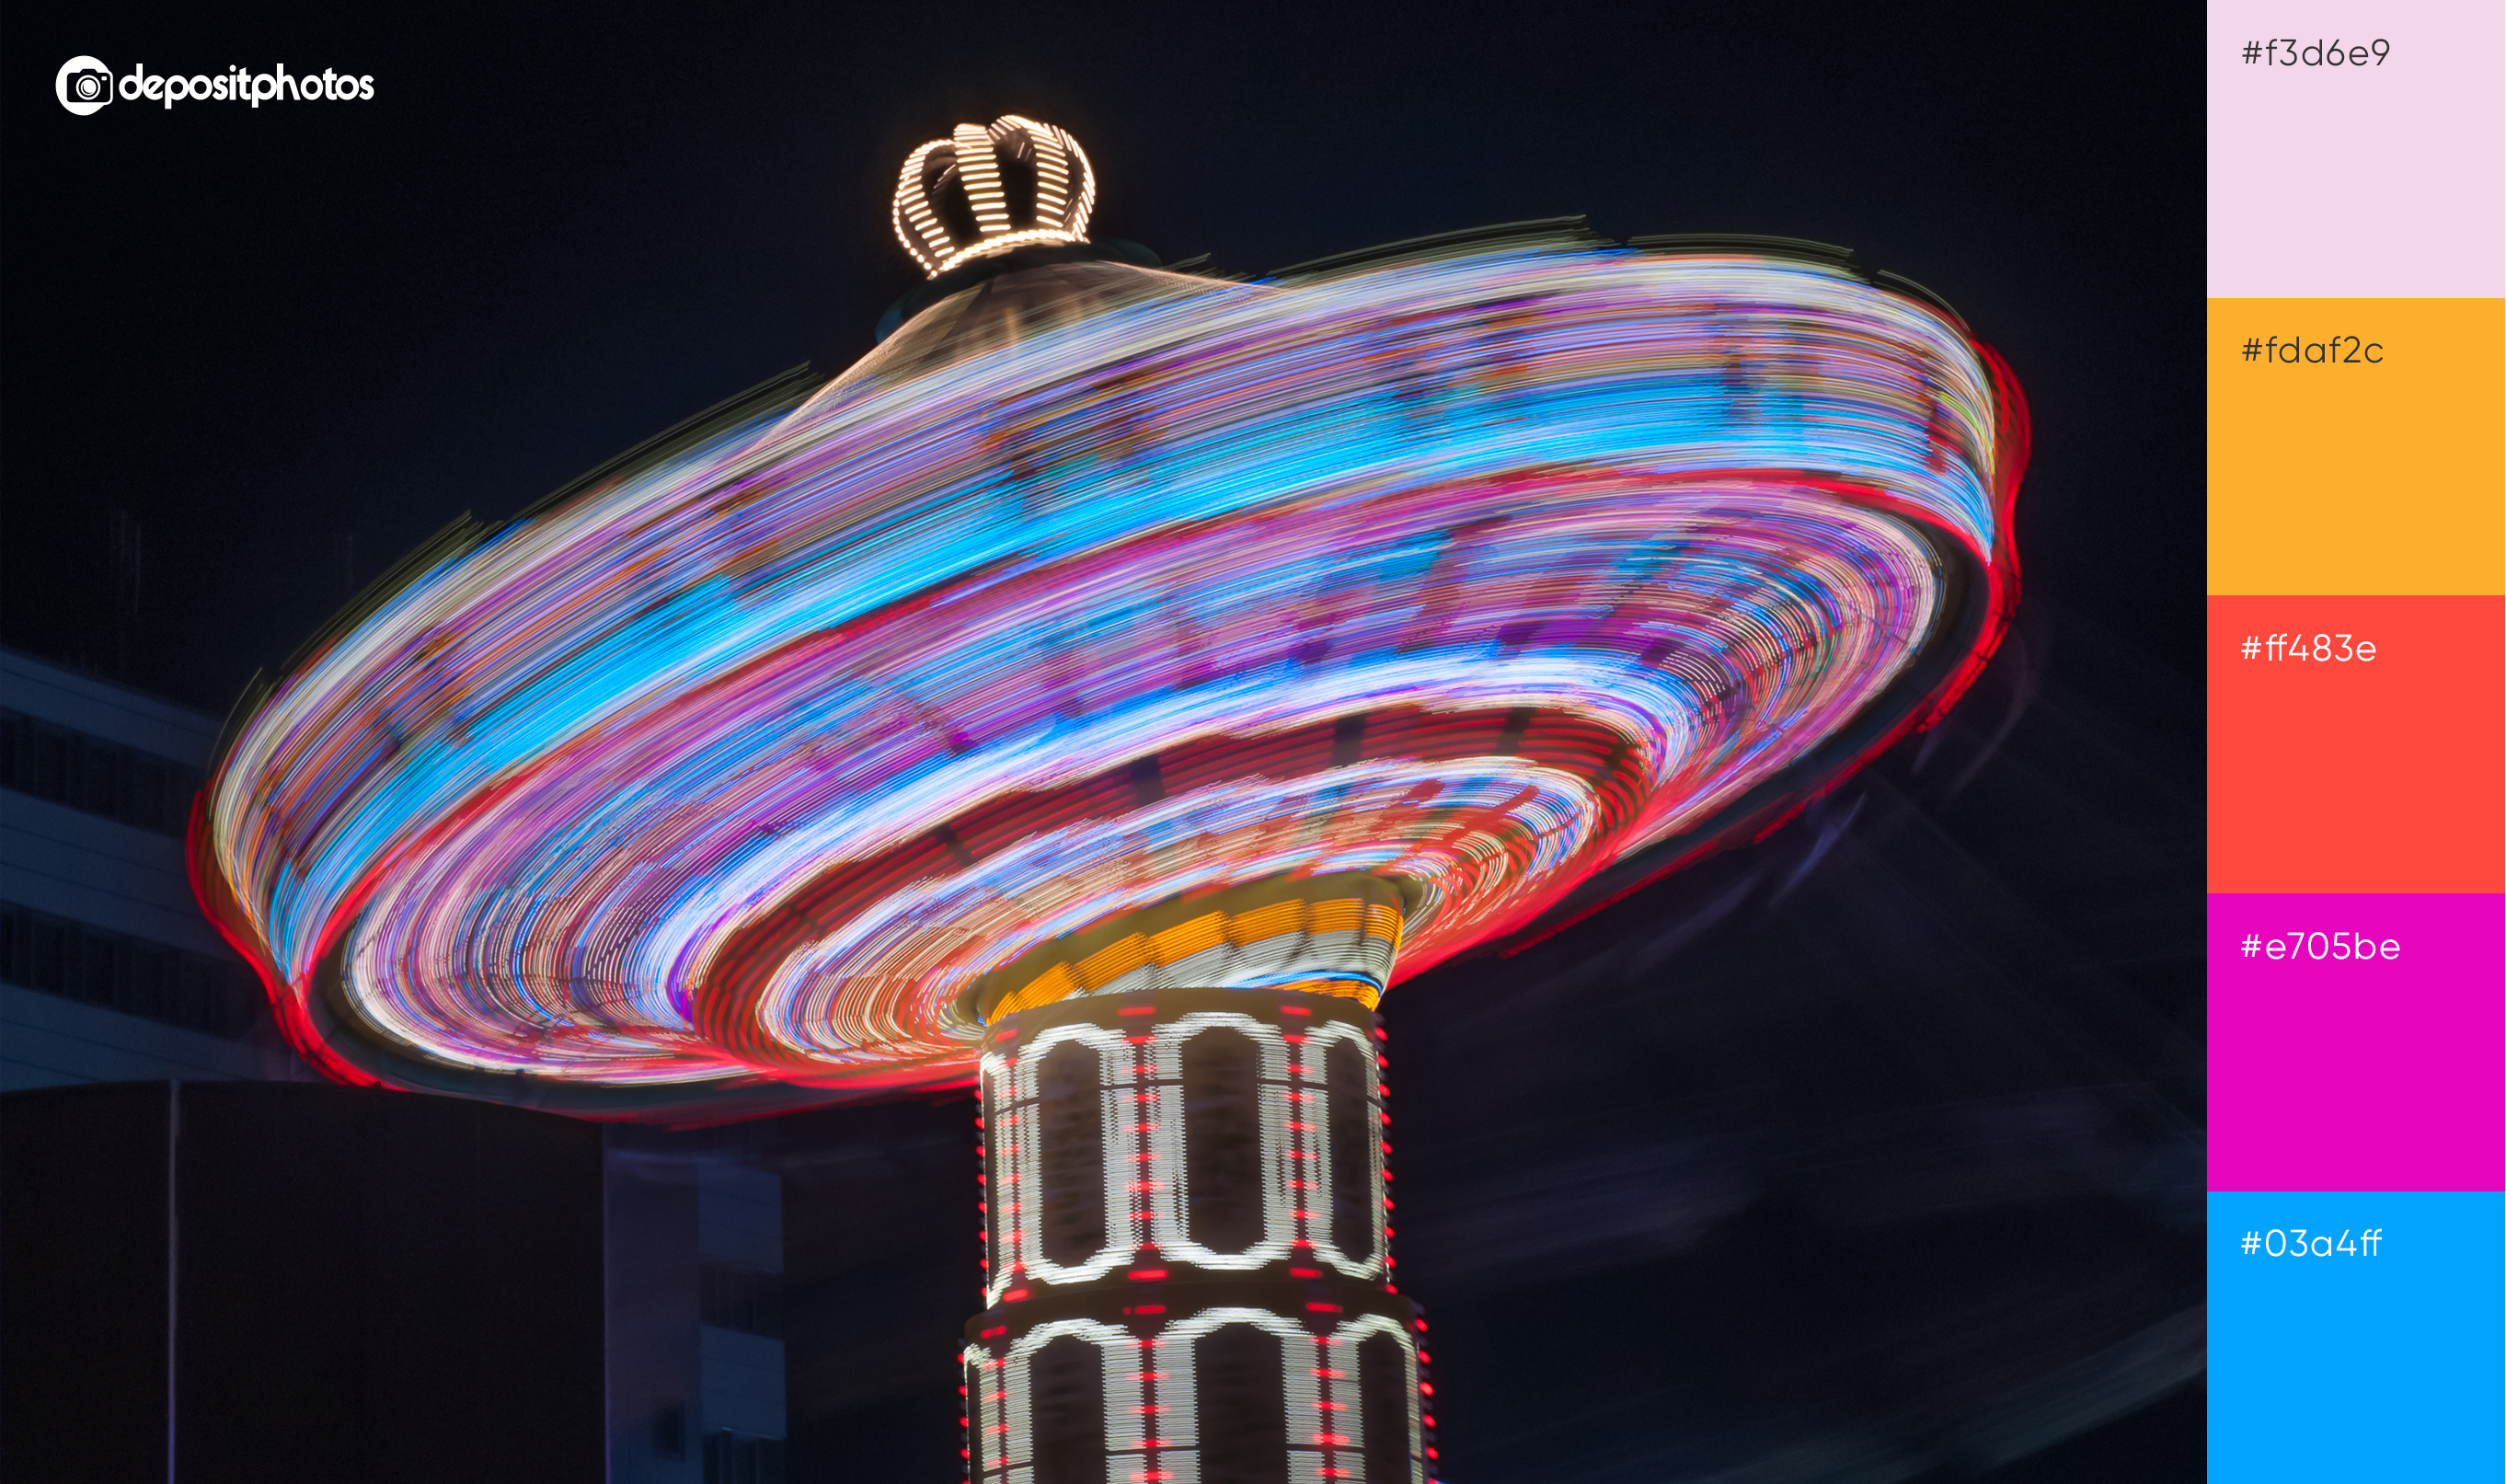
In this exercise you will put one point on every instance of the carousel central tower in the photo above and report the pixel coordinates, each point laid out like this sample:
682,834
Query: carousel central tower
1187,1202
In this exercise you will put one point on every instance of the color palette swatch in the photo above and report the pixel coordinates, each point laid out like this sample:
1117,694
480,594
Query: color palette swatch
2356,647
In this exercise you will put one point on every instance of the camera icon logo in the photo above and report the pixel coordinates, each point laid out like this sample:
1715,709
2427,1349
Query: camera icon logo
83,85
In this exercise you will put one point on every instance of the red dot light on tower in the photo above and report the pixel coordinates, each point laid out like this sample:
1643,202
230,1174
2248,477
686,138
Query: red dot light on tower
1097,697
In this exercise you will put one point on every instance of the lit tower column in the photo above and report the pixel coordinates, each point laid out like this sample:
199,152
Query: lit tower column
1187,1202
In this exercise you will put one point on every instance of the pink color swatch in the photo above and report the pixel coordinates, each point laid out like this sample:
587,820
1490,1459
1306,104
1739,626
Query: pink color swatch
2377,181
2333,1073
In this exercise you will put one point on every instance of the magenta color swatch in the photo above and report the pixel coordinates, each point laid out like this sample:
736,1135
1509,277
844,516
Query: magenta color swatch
2376,182
2386,1074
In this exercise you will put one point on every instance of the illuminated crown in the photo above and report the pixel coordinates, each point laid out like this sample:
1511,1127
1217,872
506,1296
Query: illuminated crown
986,190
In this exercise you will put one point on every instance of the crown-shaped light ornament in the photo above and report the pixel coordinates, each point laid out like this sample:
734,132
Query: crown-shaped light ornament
989,188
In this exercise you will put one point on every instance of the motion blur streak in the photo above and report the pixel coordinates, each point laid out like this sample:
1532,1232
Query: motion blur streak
1485,572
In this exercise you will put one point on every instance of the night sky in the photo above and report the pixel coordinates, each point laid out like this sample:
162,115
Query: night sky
1870,1152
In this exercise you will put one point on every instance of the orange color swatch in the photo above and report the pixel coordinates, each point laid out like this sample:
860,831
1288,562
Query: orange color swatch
2357,451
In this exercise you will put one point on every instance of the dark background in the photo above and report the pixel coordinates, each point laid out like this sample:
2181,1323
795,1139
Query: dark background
366,1287
1871,1152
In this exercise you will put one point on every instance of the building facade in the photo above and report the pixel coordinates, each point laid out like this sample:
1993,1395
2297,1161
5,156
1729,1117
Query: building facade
110,973
108,970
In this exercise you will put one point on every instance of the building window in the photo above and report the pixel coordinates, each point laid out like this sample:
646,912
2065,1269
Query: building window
38,950
745,1299
94,775
670,1429
730,1459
